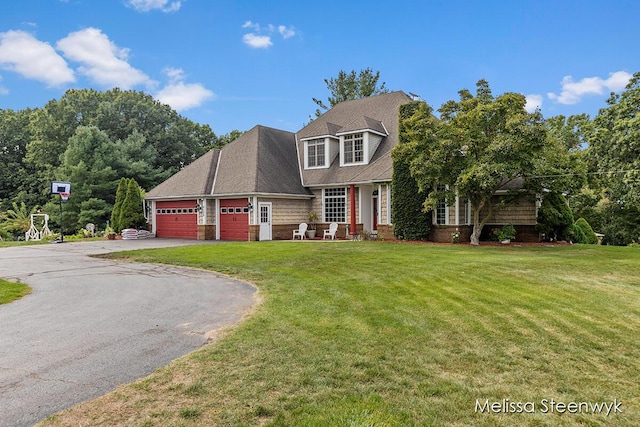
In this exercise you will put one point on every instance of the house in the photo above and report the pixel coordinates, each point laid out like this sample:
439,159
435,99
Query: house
265,183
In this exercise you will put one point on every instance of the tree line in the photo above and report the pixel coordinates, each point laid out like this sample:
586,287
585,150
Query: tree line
91,139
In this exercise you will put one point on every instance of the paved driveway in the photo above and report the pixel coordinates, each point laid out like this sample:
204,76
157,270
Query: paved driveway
92,324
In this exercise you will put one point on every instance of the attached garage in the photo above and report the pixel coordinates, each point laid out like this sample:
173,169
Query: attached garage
177,219
234,219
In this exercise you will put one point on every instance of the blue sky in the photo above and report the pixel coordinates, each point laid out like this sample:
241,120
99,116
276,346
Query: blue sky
235,64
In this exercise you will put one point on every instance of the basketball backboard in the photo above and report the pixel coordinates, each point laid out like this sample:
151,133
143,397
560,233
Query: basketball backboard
60,187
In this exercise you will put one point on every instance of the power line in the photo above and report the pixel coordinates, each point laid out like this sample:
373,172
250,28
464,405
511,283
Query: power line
585,173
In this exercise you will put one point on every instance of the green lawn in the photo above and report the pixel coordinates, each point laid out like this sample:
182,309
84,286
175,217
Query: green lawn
385,334
10,291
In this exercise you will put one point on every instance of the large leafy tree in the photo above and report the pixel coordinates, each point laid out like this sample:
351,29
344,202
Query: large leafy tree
479,144
352,85
614,144
14,137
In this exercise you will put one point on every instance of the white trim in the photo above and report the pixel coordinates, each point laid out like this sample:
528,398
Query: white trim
309,138
457,212
365,150
270,207
215,176
389,222
326,143
300,165
366,130
254,203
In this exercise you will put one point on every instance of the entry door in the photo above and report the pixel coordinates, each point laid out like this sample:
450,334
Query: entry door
375,214
265,221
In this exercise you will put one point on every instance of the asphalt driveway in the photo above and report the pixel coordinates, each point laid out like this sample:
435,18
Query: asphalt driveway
92,324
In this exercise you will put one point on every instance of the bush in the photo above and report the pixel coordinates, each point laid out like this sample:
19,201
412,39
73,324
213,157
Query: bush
587,235
555,219
410,221
507,232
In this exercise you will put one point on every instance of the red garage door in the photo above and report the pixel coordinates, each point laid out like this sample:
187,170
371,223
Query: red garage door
177,219
234,219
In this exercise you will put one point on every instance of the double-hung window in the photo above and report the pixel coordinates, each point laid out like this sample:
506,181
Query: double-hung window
441,209
316,153
335,204
353,148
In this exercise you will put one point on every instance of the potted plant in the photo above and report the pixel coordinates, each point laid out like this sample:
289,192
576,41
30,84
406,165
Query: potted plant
110,233
506,234
311,230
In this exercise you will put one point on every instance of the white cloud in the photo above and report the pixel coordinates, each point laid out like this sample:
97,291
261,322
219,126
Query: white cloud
286,32
249,24
572,92
149,5
102,61
260,37
24,54
534,102
257,42
182,96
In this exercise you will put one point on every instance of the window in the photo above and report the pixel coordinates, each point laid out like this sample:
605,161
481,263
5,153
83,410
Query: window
353,148
441,209
335,204
223,210
315,153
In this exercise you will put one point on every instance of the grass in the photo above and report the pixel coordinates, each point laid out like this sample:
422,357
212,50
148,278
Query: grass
10,291
384,334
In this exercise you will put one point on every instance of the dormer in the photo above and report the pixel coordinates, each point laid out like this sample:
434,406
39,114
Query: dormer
319,151
359,141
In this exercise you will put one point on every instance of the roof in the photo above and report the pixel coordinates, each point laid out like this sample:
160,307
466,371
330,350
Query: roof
193,180
377,113
262,160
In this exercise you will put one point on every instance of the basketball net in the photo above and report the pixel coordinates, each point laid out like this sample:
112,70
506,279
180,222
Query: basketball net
64,196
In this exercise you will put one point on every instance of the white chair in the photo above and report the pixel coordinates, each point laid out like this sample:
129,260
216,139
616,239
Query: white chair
331,232
301,231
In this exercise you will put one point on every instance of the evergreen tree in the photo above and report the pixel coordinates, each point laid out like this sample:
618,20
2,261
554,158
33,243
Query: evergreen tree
131,214
121,193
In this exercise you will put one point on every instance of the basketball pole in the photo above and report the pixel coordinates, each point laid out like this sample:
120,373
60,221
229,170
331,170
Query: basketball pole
61,233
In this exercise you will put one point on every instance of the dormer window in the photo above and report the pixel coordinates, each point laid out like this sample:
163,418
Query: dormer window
316,153
354,148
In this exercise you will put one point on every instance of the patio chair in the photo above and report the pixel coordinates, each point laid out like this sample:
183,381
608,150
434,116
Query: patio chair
301,231
331,232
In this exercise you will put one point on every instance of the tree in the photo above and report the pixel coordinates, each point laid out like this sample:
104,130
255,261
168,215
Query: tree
16,221
410,221
157,134
349,86
121,193
131,214
555,219
614,144
93,166
14,137
479,144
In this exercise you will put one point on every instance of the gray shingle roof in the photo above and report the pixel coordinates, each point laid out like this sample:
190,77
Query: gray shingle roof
194,180
262,160
378,113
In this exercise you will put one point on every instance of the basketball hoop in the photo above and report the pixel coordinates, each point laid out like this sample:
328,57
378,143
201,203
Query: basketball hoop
64,196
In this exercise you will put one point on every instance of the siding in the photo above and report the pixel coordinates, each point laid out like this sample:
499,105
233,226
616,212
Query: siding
521,213
288,211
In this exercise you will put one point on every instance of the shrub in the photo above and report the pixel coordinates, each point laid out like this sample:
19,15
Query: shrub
507,232
588,236
555,219
410,222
